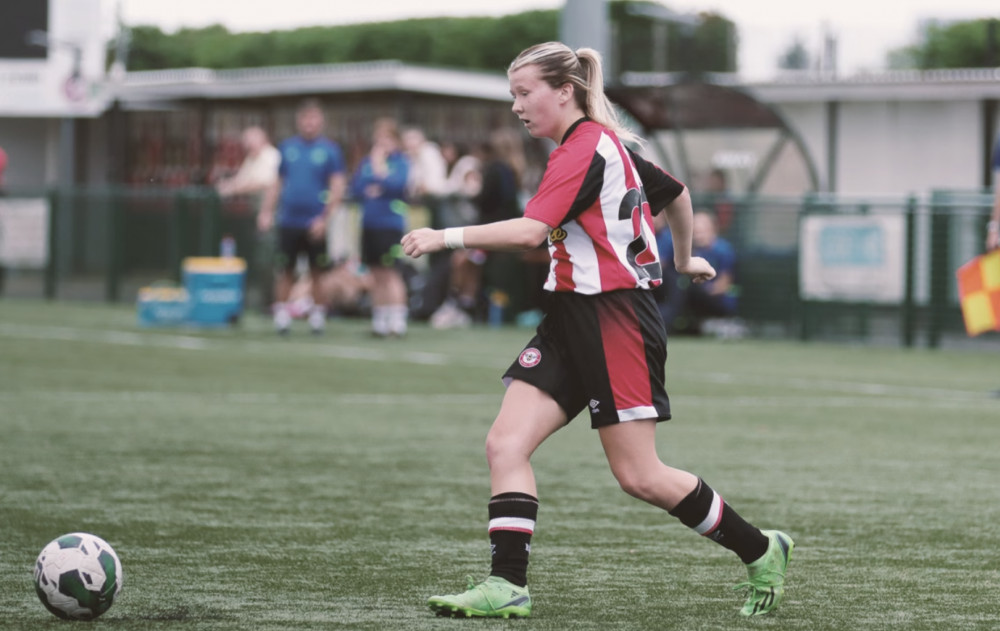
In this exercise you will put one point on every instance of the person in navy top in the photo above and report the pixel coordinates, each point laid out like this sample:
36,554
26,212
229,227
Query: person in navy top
685,305
601,345
310,188
380,185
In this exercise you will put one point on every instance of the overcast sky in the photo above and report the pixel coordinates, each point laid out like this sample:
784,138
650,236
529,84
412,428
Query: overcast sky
865,29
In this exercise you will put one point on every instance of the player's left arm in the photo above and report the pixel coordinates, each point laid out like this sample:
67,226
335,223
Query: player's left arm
680,217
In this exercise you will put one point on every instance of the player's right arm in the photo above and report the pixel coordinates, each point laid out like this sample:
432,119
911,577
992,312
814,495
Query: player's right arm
509,235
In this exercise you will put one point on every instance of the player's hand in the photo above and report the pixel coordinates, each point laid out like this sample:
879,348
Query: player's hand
264,222
697,268
422,241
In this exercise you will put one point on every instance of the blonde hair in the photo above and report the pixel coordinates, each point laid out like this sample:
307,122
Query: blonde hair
582,68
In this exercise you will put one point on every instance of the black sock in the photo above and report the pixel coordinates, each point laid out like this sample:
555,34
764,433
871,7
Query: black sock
705,512
512,522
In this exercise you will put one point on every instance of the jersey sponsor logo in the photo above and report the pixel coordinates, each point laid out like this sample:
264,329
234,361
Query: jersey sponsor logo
530,357
556,235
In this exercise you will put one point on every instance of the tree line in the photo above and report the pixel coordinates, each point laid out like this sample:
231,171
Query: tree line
488,43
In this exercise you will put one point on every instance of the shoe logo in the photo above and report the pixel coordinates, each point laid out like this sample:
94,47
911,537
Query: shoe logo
519,600
530,357
594,403
784,547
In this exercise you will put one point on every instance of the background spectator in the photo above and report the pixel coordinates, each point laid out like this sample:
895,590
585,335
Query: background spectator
993,227
380,183
259,169
686,306
428,169
308,191
498,198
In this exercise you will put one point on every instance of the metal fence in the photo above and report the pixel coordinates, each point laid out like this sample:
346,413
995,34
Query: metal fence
106,243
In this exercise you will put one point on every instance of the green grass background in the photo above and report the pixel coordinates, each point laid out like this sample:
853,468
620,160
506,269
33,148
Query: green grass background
251,482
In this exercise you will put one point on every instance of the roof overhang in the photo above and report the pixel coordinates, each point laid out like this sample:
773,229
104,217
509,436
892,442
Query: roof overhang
392,76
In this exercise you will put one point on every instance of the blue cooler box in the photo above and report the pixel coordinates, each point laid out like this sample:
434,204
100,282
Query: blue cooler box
215,289
162,306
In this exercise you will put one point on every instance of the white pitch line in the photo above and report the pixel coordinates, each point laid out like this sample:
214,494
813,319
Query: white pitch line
124,338
186,342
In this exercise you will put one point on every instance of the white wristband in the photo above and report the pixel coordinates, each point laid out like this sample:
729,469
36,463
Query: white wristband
993,226
454,238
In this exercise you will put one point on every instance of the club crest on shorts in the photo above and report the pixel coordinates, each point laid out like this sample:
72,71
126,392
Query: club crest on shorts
530,357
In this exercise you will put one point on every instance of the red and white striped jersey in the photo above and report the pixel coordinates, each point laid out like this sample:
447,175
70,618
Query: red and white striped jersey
593,198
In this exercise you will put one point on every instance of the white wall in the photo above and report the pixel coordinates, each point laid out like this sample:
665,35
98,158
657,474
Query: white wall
894,147
908,147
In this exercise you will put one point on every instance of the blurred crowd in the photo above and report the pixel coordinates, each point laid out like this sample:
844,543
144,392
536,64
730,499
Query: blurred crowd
334,268
325,266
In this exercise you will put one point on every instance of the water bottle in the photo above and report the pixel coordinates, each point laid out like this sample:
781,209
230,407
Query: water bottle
498,302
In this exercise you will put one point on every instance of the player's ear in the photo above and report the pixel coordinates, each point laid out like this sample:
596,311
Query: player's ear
566,92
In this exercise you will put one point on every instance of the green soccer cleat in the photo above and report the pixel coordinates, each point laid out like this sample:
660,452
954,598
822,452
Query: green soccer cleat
767,575
493,598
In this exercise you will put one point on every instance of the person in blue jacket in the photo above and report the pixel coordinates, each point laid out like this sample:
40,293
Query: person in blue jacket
379,184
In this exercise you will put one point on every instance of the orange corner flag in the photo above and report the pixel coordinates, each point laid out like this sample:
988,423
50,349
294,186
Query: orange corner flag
979,293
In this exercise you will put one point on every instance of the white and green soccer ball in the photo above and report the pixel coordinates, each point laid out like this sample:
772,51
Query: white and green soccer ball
78,576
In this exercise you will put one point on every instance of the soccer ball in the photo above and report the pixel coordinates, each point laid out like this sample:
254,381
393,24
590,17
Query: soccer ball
78,576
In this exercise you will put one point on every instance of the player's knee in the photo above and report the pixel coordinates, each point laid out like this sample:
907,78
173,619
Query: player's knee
635,484
501,447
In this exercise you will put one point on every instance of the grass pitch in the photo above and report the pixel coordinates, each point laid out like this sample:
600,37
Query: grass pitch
251,482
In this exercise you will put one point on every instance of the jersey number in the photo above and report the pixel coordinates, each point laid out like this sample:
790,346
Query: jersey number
639,256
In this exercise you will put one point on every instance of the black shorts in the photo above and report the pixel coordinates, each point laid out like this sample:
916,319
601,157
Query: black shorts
295,241
381,247
606,353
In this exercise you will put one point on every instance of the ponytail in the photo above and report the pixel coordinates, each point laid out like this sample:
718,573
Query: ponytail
597,105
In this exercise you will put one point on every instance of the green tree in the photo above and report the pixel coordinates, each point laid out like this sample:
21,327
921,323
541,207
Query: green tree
968,44
475,43
706,43
796,57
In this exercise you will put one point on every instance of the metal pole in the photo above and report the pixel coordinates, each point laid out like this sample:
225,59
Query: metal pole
909,316
940,247
115,245
52,266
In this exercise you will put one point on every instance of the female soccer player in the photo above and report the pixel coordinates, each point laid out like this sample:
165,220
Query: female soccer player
601,346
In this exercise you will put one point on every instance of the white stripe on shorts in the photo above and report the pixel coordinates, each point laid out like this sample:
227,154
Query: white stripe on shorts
713,518
512,523
637,414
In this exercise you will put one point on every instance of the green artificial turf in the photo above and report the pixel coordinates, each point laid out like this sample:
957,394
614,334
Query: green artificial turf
250,482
